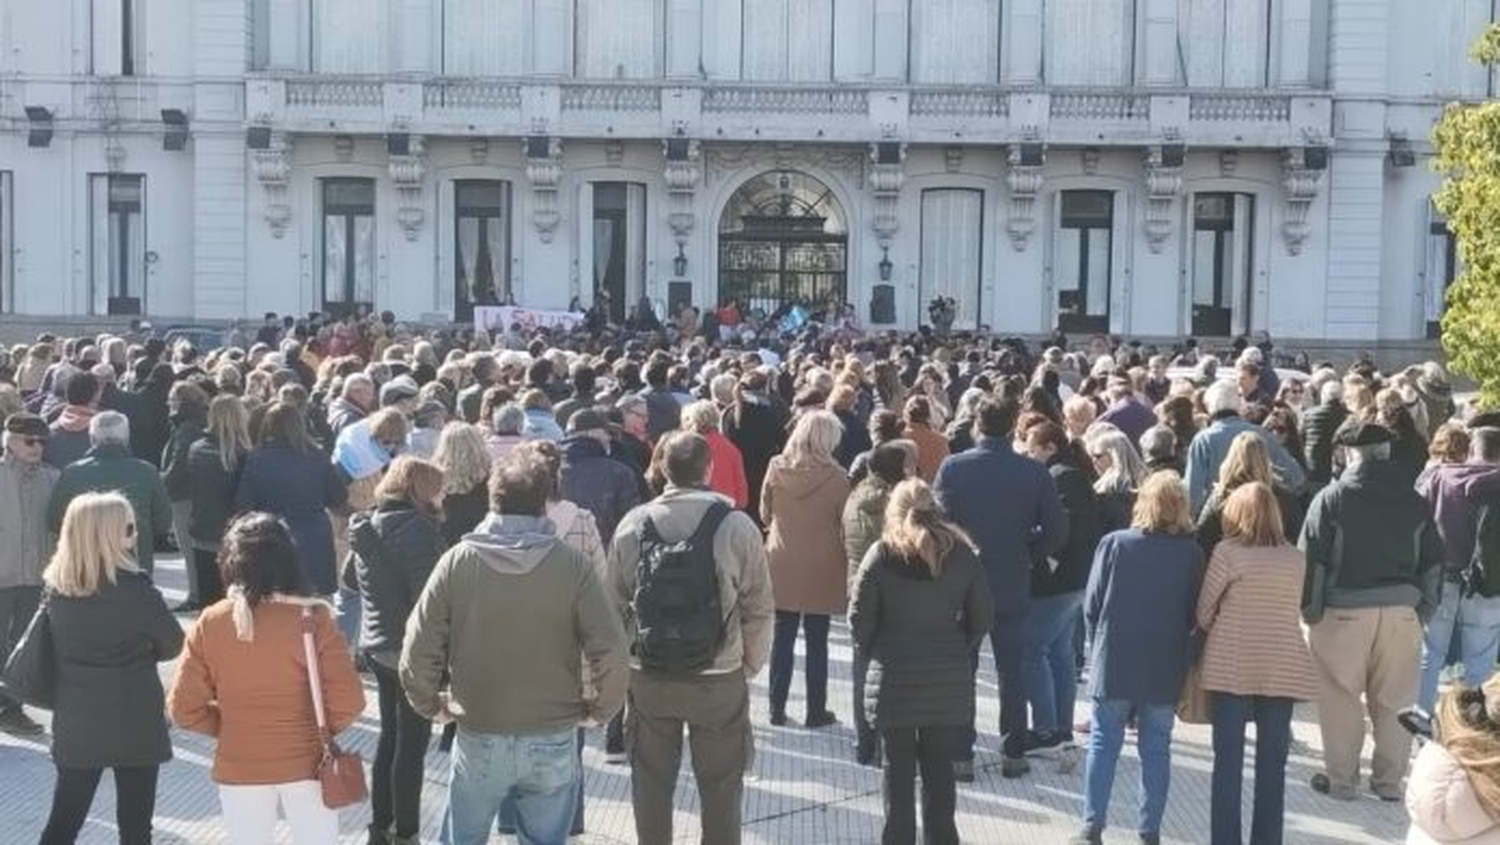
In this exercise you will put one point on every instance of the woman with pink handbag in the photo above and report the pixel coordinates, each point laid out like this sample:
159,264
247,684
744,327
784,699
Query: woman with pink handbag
268,674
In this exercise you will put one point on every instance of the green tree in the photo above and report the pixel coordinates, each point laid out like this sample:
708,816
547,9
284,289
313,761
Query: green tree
1467,138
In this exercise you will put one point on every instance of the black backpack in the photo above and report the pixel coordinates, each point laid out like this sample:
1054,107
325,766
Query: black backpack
678,614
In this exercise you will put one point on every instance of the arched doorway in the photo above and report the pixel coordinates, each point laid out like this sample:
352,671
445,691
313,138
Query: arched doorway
783,241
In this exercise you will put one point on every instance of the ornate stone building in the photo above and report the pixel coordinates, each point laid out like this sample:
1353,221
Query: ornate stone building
1147,167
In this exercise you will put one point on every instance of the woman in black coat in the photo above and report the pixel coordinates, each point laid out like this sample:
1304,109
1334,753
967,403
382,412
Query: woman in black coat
110,627
214,463
757,425
465,461
920,607
395,547
289,476
188,411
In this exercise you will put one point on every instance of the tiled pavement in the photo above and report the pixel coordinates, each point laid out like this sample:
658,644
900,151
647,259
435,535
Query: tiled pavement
805,789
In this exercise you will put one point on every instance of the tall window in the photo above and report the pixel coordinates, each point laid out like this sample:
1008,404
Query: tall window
118,233
1224,43
348,243
115,32
617,39
7,246
952,251
1089,42
1223,263
1442,269
618,242
482,245
349,36
1083,260
485,37
787,40
955,41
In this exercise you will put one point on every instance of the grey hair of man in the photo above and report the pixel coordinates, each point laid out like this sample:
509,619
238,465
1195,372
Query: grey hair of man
109,428
509,418
1332,391
1158,443
354,382
1222,397
1484,444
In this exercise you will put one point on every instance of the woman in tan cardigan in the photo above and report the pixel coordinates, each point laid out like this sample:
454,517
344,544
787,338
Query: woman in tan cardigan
1255,662
802,500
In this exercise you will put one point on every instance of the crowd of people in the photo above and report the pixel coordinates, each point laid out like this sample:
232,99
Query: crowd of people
520,537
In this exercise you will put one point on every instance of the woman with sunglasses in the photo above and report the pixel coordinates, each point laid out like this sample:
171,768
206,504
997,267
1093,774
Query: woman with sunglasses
110,627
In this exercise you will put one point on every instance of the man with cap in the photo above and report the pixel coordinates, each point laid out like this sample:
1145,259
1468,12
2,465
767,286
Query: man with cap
590,478
400,393
26,485
1373,578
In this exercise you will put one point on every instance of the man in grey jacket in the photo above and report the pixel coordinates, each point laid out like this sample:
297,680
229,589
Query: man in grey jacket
506,613
25,487
715,703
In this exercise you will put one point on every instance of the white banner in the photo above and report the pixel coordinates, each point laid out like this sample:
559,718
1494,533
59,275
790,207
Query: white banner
499,318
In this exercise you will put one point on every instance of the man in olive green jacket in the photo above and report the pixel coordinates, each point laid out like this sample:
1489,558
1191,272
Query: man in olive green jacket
110,467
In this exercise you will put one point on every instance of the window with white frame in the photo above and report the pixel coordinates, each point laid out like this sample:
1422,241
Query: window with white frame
1222,263
481,248
952,261
1089,42
349,36
348,244
7,246
617,39
1442,269
1083,260
485,37
117,224
116,30
616,239
787,40
955,41
1224,43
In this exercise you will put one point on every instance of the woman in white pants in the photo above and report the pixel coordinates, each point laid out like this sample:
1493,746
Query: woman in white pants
244,680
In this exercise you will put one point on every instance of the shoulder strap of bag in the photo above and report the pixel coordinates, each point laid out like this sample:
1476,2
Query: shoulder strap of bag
314,679
709,525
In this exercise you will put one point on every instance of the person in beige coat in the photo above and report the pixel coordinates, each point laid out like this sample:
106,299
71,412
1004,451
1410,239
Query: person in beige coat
802,500
1255,662
1453,794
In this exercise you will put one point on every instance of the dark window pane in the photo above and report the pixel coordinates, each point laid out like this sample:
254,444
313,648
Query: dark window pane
1087,209
349,196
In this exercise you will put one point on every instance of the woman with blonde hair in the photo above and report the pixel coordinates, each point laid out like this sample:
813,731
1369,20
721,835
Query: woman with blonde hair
110,628
920,608
1247,462
245,680
395,546
1255,662
1139,610
1453,793
1120,473
802,501
465,460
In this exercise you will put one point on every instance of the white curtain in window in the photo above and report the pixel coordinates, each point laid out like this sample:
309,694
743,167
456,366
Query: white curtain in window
1099,252
617,38
99,260
7,282
604,242
107,31
135,254
764,47
468,255
364,259
955,41
485,37
788,40
1089,42
1203,267
1242,262
334,246
952,246
350,36
1067,260
1223,43
497,233
635,242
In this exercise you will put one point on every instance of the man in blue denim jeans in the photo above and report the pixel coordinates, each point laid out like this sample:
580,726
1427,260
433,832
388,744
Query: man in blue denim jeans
506,614
1455,493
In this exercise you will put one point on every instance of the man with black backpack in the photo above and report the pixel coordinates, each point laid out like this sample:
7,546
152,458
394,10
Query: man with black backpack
690,576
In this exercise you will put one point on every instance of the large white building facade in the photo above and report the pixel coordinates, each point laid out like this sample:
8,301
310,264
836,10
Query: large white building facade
1144,167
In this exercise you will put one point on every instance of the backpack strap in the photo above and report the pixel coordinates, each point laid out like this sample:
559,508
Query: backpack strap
649,534
709,525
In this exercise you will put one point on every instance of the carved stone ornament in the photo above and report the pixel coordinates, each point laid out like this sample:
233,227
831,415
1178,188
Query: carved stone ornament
1163,185
682,178
114,154
406,174
273,168
343,148
1089,156
1300,187
885,183
479,150
1024,182
614,152
723,160
544,174
953,158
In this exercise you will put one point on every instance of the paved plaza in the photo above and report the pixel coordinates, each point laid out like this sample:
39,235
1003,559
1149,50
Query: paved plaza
805,789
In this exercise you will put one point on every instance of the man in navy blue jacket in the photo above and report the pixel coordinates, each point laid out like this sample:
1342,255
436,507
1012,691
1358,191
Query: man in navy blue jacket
1008,505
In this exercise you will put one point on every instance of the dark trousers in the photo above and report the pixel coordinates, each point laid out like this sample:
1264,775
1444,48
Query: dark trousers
396,774
1006,637
206,567
1273,734
931,751
867,741
783,650
135,801
17,606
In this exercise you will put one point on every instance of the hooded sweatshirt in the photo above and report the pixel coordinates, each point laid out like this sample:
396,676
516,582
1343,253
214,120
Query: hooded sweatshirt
507,612
1454,494
1444,808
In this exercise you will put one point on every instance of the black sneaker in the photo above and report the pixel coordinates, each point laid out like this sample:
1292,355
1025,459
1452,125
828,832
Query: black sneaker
778,720
963,771
1088,836
820,720
16,723
1044,743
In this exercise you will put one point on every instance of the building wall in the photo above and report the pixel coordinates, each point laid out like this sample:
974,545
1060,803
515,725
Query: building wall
758,86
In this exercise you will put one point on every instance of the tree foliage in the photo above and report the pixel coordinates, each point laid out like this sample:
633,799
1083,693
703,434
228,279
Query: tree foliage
1467,138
